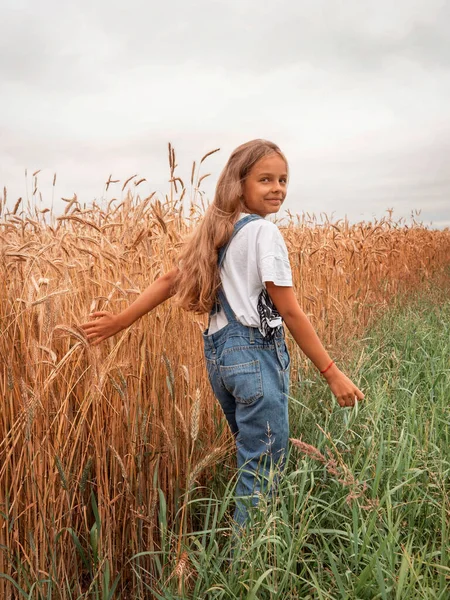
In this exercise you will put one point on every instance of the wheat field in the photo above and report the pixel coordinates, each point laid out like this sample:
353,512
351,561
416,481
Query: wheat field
90,435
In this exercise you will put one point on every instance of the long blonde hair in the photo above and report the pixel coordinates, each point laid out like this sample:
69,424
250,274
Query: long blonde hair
198,279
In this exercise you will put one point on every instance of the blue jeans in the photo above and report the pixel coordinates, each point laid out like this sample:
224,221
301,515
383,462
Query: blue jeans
250,377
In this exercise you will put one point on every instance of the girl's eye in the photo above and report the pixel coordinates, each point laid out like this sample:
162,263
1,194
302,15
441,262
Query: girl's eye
267,179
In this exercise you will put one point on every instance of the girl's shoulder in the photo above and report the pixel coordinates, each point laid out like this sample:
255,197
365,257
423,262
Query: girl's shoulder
259,224
262,233
265,229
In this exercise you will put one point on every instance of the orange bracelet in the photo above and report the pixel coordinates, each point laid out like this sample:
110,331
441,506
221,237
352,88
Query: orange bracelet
325,370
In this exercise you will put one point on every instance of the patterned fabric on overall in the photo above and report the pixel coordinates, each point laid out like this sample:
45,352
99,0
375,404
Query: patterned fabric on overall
250,378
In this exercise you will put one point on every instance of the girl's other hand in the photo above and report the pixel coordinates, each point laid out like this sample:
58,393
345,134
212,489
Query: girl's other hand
343,388
105,325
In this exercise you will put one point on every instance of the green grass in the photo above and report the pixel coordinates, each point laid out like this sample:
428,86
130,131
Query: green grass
375,527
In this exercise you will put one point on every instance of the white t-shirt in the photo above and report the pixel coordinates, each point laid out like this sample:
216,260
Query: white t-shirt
256,254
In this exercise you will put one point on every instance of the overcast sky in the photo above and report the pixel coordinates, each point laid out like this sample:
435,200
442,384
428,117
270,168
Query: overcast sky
355,92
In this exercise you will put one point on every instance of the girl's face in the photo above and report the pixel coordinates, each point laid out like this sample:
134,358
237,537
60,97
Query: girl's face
265,187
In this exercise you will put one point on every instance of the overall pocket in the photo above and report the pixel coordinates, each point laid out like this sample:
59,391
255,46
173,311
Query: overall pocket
243,381
283,355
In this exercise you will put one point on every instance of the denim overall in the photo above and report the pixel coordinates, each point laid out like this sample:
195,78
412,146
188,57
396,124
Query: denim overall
250,378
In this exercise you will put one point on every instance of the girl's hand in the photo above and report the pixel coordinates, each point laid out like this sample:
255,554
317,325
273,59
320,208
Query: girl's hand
105,325
345,390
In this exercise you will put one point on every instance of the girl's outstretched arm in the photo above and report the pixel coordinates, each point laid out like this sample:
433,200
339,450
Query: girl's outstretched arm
107,324
303,333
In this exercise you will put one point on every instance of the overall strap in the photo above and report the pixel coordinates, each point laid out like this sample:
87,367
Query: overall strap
222,299
237,227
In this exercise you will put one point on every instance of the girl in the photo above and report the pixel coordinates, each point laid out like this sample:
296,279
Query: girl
235,266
